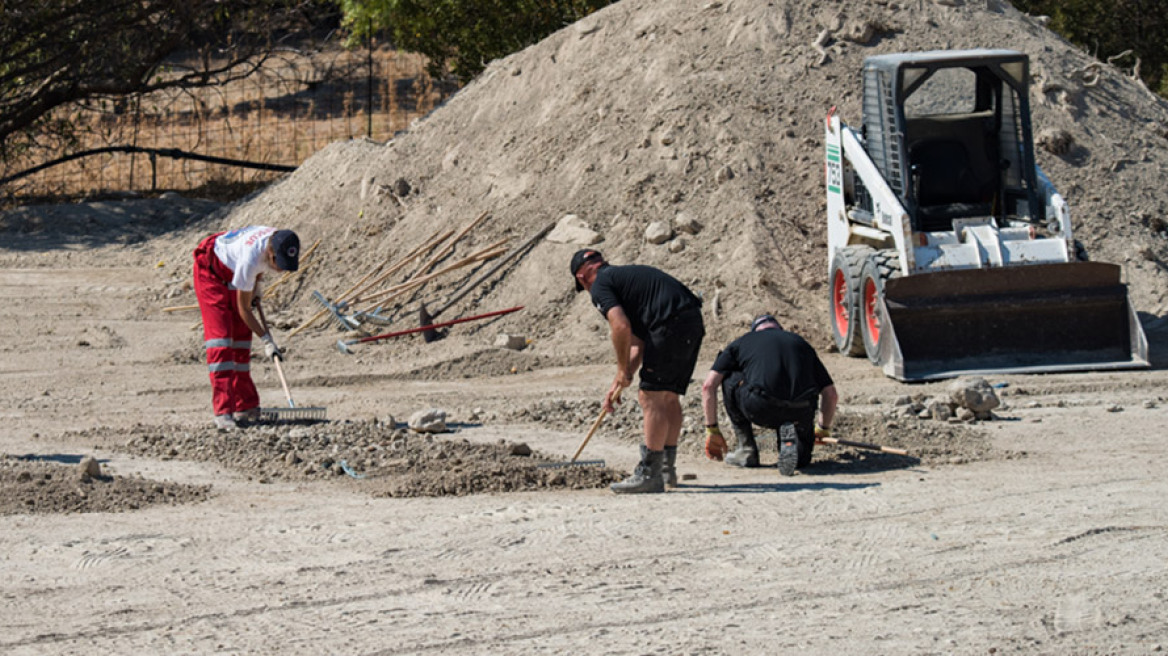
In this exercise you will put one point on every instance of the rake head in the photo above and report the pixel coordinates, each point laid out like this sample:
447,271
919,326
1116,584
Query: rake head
336,312
293,414
572,463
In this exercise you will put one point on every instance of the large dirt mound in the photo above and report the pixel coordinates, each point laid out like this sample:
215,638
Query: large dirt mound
647,110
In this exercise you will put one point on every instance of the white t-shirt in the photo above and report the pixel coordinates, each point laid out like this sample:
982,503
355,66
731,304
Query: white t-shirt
242,251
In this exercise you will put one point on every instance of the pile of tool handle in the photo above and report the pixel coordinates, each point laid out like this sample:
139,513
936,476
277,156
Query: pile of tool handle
366,301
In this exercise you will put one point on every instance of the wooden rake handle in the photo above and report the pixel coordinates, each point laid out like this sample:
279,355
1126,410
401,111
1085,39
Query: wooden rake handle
276,360
863,445
595,425
284,382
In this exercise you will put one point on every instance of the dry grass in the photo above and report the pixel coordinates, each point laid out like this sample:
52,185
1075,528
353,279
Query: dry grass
296,104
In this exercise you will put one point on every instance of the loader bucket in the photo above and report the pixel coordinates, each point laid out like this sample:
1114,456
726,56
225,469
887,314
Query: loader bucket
1022,319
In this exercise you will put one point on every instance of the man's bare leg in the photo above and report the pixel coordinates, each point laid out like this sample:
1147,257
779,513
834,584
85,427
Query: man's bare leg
662,422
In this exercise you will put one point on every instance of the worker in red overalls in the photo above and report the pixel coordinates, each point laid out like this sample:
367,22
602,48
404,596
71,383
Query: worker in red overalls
228,266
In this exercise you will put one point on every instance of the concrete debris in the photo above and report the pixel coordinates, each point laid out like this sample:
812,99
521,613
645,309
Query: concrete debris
431,420
90,467
686,223
975,394
571,229
513,342
658,232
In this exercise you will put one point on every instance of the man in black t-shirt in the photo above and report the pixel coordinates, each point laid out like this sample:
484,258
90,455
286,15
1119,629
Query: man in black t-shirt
771,378
656,325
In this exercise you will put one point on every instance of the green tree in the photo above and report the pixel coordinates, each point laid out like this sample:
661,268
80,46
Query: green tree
57,52
1107,28
462,36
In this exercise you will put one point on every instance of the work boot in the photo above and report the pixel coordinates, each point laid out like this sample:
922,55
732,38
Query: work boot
646,477
225,422
746,454
788,449
669,469
247,416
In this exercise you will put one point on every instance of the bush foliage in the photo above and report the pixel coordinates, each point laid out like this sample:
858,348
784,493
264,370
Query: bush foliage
461,37
1108,28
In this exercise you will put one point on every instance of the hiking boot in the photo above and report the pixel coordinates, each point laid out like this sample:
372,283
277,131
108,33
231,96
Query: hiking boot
225,422
746,454
669,469
788,449
248,416
646,477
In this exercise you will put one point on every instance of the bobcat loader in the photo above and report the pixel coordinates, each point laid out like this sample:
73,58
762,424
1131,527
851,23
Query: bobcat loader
949,250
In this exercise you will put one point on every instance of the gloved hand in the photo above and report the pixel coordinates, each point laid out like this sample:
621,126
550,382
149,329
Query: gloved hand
821,432
715,443
270,349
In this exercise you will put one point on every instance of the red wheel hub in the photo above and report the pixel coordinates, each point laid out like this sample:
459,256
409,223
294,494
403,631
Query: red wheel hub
871,315
839,303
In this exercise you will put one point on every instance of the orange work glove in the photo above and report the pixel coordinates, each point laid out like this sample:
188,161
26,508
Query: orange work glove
715,443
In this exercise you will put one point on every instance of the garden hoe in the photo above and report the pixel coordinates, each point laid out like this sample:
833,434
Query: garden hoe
292,412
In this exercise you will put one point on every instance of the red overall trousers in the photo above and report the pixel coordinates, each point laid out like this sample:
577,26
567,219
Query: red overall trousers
226,336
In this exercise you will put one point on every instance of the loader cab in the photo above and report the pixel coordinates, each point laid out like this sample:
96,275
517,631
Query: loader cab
950,133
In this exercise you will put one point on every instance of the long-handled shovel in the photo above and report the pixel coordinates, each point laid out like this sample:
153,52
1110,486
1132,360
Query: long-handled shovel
862,445
291,413
344,344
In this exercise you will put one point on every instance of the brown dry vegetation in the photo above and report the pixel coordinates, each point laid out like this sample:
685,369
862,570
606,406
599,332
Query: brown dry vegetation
297,103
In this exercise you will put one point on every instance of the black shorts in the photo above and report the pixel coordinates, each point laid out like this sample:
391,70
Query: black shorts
671,353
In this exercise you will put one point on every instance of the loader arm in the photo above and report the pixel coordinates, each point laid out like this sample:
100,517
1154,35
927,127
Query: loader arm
847,160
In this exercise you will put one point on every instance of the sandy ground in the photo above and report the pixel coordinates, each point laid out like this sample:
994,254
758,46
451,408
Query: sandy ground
1054,546
1039,533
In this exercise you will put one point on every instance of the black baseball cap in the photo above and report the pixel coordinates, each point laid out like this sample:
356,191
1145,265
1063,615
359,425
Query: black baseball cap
579,258
764,318
286,247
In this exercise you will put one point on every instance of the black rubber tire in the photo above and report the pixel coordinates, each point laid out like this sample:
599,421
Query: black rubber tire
843,298
880,267
1080,254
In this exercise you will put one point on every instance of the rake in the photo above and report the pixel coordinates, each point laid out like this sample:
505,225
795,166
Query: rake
581,463
336,312
292,412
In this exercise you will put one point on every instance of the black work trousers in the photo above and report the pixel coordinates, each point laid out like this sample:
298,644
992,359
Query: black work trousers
747,405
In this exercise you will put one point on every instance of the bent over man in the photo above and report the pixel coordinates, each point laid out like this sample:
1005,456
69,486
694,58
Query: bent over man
227,268
656,326
771,378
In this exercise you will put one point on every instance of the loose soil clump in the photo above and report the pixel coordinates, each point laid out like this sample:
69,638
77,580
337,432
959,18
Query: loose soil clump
385,459
40,487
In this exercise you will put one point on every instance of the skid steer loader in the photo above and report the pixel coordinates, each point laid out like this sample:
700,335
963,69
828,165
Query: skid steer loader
949,250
